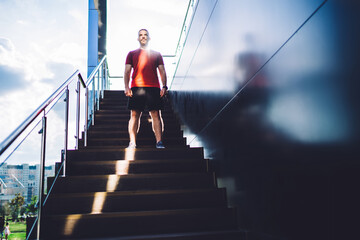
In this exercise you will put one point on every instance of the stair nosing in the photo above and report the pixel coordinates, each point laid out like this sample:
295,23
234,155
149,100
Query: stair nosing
142,161
139,175
136,192
138,213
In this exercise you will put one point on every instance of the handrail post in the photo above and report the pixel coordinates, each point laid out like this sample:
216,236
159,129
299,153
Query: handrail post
66,127
93,104
98,90
42,172
86,115
103,80
105,77
77,114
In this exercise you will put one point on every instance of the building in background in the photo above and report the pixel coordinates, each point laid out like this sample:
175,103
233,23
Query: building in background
22,179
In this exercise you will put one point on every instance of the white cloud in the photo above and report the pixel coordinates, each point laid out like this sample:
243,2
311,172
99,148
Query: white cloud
41,44
8,55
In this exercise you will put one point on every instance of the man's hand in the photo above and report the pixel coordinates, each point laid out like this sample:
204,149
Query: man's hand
128,92
163,92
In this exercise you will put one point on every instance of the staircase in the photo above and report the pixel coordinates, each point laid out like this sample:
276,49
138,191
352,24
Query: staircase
147,193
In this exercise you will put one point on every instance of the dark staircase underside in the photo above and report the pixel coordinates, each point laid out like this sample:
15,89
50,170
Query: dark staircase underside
147,193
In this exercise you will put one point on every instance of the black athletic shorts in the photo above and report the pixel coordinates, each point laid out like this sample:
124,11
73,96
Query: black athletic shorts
145,98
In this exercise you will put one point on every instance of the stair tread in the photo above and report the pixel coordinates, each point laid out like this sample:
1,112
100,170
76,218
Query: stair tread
140,175
127,138
132,201
143,160
179,236
110,162
116,149
137,192
140,213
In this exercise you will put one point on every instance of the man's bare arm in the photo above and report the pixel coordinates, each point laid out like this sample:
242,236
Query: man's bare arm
163,79
127,72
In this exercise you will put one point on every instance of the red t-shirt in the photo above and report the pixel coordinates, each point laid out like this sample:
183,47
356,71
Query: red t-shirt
145,65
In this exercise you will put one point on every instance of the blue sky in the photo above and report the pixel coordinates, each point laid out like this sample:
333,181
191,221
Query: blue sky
43,42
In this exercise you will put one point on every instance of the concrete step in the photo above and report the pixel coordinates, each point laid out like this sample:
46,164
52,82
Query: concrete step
138,223
129,182
210,235
124,142
134,154
125,121
146,132
126,201
123,126
135,166
126,117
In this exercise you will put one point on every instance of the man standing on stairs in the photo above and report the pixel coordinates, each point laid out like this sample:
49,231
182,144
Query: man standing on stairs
145,89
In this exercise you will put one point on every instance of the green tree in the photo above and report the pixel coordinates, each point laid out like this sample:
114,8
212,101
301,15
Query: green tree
31,208
16,203
5,210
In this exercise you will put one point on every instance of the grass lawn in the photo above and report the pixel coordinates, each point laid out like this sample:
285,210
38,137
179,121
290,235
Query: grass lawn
18,230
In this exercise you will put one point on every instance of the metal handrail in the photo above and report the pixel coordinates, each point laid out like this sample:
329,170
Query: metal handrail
21,128
102,68
91,76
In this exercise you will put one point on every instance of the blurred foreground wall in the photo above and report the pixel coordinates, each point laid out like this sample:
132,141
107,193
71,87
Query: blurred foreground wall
271,90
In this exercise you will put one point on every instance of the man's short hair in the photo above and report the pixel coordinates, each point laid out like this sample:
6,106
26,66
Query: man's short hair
144,29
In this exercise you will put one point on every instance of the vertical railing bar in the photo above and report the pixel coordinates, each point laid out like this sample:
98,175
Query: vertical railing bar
77,115
86,115
66,128
106,77
103,80
98,90
100,85
93,104
42,169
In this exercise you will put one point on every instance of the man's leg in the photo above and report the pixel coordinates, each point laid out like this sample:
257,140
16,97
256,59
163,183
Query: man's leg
156,124
134,125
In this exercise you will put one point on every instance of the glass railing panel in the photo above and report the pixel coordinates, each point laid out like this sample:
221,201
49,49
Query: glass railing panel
55,137
73,99
21,164
90,99
97,81
19,177
23,153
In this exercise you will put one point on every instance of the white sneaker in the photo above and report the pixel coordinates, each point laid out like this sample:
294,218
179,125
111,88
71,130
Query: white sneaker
131,145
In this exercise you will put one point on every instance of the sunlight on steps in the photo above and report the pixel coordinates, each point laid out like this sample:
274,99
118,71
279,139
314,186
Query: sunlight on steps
99,200
121,168
112,183
130,154
71,222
